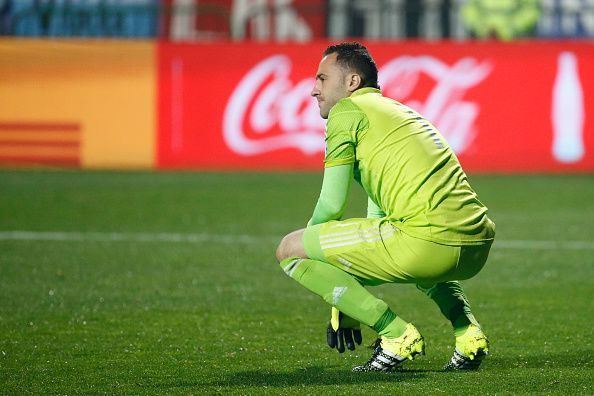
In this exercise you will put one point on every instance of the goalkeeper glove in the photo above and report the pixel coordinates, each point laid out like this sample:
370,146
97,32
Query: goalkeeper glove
343,330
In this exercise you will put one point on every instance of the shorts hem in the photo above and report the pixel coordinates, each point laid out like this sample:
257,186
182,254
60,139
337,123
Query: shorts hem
311,243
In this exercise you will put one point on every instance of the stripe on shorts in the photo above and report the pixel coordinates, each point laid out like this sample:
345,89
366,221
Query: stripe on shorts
350,234
354,237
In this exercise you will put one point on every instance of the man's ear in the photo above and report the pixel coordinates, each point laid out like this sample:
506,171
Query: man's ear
353,82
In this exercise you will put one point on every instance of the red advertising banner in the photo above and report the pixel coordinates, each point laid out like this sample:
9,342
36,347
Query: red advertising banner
520,107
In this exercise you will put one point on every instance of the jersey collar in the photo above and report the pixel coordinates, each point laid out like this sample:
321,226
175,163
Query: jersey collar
362,91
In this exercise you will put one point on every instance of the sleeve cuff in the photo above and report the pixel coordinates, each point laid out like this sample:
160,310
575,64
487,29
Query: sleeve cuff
337,162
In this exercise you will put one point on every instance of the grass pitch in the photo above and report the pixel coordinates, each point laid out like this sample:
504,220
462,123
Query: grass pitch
166,283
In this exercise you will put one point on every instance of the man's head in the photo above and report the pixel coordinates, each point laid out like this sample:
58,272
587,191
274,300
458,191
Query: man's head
344,68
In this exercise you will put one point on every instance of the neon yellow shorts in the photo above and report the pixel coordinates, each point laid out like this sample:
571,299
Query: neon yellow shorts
375,251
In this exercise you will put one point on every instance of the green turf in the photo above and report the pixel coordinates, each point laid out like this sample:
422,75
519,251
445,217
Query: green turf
211,316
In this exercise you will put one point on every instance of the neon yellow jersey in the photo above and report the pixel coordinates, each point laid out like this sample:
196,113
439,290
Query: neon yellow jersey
407,168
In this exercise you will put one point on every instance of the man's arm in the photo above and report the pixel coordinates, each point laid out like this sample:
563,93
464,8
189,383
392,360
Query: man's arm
342,330
333,197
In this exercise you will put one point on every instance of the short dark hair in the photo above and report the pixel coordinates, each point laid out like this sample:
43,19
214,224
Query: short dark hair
355,57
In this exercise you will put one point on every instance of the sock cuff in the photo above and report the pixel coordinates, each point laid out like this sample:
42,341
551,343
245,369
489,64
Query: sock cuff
384,321
461,323
292,266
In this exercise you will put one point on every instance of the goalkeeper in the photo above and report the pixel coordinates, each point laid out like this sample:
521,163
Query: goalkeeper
425,224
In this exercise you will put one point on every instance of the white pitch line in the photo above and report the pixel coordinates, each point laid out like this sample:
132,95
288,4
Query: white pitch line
544,245
129,237
74,236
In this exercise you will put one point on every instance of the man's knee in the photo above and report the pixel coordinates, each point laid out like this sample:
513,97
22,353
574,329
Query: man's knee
291,245
281,249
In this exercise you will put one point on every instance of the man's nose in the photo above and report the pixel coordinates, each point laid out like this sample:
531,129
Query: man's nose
315,91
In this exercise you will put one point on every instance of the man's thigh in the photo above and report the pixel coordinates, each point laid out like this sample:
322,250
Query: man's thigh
377,251
355,246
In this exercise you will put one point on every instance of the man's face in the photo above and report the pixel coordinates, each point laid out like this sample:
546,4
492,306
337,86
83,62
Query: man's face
332,84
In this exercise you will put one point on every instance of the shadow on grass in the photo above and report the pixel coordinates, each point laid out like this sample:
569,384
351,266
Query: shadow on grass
314,375
339,375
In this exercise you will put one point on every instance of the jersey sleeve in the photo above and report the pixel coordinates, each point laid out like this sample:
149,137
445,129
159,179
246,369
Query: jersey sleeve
333,197
344,121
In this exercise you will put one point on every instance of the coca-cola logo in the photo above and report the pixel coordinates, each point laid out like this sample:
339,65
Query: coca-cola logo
266,102
269,112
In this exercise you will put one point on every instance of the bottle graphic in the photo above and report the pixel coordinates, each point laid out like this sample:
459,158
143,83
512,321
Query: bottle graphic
568,111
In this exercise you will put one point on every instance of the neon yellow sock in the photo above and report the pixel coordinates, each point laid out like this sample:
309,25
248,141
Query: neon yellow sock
338,288
452,302
390,325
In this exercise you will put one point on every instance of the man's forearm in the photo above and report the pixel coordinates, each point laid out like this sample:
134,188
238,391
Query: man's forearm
334,193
